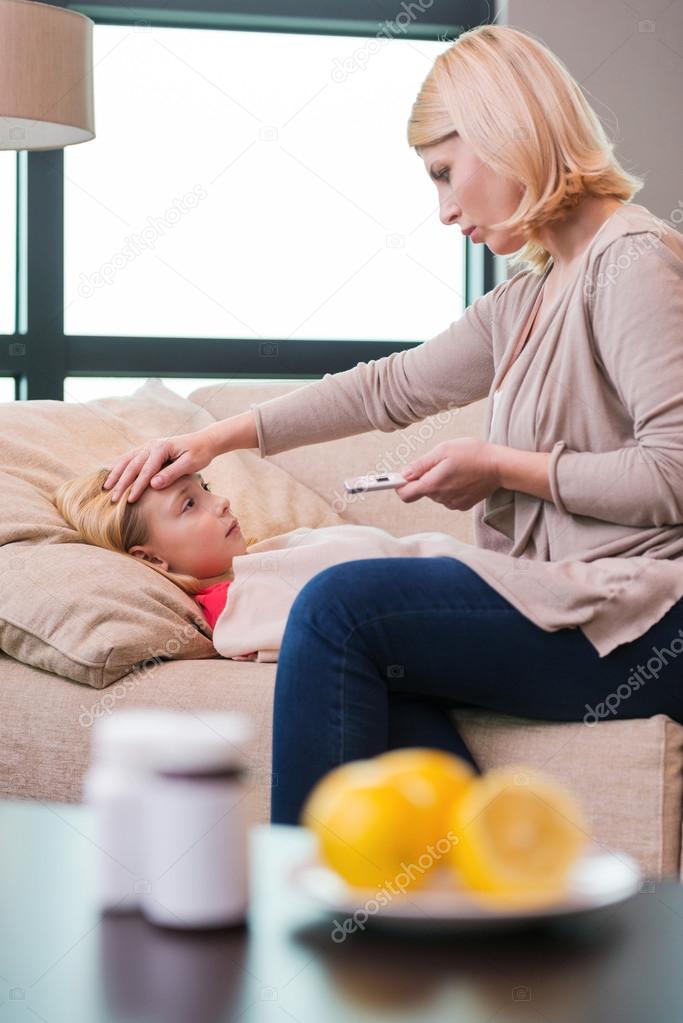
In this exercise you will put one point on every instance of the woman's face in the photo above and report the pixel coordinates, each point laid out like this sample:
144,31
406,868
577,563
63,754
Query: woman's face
188,529
473,195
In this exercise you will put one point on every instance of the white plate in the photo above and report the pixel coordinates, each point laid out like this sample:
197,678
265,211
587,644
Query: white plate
598,879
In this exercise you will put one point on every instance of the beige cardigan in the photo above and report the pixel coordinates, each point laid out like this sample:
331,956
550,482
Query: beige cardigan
600,386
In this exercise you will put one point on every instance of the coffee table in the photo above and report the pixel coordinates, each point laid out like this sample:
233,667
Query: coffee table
62,961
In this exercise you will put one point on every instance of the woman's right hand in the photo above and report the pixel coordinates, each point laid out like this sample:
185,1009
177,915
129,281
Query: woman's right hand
187,453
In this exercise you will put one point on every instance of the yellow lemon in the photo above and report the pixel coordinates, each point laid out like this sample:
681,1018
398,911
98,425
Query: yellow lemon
366,828
432,779
518,834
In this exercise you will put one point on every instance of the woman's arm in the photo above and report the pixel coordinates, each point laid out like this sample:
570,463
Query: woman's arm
453,369
637,322
639,334
233,434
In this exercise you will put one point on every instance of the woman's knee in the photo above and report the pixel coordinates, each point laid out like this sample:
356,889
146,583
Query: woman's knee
319,587
334,589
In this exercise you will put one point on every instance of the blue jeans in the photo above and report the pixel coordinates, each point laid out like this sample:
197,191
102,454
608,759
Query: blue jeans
377,651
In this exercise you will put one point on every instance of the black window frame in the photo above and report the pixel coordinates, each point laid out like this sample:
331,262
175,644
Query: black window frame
39,355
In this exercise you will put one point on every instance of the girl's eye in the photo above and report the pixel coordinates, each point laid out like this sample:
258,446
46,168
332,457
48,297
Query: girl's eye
442,175
190,501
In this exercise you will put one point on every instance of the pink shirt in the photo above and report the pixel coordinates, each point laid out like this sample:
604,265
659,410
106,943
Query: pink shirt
213,599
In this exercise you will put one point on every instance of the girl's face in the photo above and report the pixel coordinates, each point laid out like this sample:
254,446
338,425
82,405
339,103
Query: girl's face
190,530
473,195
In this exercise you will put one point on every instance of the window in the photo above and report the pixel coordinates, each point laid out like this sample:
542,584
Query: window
242,184
226,214
6,389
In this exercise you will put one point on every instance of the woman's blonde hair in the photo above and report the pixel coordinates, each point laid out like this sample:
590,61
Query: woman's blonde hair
520,110
116,526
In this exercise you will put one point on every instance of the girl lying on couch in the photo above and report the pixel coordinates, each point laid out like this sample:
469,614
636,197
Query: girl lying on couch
245,587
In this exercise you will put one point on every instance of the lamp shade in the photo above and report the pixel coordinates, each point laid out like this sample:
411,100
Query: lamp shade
46,76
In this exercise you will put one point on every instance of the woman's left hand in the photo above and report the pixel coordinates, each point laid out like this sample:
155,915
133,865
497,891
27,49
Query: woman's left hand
456,473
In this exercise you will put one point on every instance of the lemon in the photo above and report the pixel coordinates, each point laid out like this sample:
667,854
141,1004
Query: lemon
518,834
366,828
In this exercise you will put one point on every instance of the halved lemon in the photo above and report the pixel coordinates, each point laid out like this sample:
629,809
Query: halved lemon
518,834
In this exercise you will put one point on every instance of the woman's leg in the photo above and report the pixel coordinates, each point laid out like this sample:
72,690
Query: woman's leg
362,633
418,721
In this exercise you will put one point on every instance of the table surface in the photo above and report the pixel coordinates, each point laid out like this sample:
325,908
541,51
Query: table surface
61,960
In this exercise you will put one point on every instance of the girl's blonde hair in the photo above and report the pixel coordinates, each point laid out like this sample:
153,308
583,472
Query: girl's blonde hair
520,110
116,526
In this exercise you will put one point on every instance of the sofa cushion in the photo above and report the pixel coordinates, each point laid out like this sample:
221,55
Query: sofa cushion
47,721
90,614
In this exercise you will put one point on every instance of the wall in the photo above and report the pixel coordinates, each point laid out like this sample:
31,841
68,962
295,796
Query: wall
628,59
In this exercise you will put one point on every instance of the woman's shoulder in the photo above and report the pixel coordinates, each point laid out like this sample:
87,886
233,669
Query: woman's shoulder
632,233
636,252
633,218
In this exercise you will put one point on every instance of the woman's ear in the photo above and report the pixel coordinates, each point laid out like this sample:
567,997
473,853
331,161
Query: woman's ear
146,555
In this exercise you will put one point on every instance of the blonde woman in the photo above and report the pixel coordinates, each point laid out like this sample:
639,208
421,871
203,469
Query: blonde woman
574,611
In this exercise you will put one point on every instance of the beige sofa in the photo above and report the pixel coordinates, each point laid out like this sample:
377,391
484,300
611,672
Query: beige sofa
627,774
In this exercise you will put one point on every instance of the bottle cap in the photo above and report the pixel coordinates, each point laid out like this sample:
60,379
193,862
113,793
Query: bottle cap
205,742
169,740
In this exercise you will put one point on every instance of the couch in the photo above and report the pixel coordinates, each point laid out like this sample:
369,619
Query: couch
627,774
